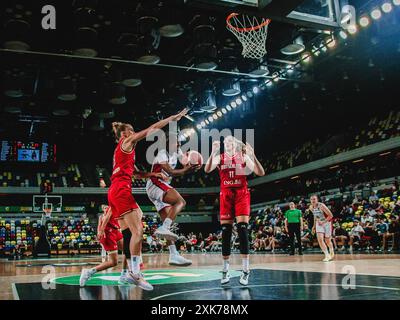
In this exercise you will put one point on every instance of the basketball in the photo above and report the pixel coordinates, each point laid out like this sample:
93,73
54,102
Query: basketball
193,157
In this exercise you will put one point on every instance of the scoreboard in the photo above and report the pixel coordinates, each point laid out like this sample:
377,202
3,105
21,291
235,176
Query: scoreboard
23,151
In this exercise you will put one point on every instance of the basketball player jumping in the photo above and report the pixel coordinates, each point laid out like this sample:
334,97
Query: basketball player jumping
166,199
120,198
323,227
237,161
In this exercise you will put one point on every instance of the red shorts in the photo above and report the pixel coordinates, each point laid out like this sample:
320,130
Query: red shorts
110,239
120,198
234,202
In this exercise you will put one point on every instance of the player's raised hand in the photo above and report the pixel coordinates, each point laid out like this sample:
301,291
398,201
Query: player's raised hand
179,115
249,149
216,146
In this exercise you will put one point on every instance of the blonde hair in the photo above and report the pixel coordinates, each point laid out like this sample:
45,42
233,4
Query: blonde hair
119,127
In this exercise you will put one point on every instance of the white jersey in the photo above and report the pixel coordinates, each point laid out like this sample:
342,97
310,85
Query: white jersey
318,213
156,188
164,157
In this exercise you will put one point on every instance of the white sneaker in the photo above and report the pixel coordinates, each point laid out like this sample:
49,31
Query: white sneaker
86,274
165,233
327,258
138,279
225,277
244,278
125,279
178,260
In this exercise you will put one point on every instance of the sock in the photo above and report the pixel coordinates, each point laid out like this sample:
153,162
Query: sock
326,253
167,223
124,271
172,250
135,264
245,264
226,265
129,262
141,259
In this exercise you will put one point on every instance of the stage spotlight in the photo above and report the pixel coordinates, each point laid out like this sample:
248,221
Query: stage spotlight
199,126
396,2
249,94
244,98
233,105
228,108
306,57
224,111
210,119
203,124
219,114
289,69
376,14
206,122
352,29
269,83
256,90
238,101
387,7
343,35
331,43
364,21
215,117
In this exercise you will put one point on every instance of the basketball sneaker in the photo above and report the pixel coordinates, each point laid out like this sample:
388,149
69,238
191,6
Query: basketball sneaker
165,233
178,260
225,277
332,255
86,274
138,279
125,279
244,278
327,258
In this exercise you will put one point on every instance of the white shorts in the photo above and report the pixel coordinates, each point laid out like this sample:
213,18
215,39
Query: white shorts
324,227
156,194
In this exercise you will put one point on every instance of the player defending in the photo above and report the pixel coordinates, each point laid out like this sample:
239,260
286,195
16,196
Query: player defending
237,161
166,199
123,205
323,227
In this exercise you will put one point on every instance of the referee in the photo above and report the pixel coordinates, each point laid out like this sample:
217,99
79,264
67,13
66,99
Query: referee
294,225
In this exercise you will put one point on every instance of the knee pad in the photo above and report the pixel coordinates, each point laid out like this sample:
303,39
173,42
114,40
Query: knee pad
226,239
243,233
127,235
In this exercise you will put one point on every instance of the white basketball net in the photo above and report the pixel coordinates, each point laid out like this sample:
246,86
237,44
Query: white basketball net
252,32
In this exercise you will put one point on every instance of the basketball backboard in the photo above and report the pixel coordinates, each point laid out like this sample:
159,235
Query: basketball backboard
40,202
320,14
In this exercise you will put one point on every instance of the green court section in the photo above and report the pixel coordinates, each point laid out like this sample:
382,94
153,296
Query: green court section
153,276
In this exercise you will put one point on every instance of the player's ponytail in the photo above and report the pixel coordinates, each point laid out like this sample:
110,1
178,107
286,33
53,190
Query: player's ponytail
118,128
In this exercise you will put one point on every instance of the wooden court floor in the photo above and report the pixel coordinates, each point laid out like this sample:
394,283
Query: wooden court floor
273,276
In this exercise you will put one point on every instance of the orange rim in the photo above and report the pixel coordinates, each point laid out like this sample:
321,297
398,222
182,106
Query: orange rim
228,22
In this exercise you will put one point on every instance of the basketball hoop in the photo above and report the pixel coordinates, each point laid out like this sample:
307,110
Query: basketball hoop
251,31
47,212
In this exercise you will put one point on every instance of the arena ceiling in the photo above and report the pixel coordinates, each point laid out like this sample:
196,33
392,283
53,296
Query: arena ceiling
69,90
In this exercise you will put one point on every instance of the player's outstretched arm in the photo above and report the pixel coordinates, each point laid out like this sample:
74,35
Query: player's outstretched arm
137,136
214,159
138,174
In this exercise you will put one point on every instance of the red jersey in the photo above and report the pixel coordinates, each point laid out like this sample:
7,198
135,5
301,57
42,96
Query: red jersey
123,164
232,171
